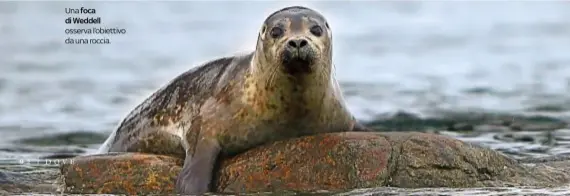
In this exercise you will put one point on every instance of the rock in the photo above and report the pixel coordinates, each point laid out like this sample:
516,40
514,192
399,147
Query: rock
561,134
461,127
29,182
323,162
59,156
491,128
126,173
522,136
402,121
537,126
425,160
333,162
4,177
464,122
71,138
8,182
551,107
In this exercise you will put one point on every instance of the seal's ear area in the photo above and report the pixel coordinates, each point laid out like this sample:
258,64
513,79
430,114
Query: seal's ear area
262,32
329,30
263,29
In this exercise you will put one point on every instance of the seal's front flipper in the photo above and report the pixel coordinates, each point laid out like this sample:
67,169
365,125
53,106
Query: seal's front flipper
196,174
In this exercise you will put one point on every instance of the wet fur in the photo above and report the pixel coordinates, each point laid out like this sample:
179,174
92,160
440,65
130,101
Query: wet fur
233,104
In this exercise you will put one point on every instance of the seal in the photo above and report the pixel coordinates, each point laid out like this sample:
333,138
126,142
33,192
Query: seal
286,88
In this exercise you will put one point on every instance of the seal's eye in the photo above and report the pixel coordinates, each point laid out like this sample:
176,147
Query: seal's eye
327,24
263,29
276,32
317,30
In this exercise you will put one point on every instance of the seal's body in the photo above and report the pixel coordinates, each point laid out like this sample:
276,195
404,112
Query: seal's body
284,89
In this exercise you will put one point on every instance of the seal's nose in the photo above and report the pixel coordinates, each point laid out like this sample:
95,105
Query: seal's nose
297,43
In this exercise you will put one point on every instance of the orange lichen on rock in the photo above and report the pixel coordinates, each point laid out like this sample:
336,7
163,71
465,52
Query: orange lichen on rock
126,173
320,162
333,161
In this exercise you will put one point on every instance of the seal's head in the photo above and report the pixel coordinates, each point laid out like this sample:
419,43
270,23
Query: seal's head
297,40
291,70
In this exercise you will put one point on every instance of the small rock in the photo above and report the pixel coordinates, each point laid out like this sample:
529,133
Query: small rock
538,149
15,182
491,128
561,134
461,127
541,127
525,138
4,178
529,137
552,107
71,138
59,156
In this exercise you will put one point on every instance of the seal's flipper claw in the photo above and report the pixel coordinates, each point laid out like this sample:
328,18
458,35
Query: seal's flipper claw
196,174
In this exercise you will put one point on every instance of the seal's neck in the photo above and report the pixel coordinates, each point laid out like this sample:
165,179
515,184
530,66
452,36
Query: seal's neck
269,88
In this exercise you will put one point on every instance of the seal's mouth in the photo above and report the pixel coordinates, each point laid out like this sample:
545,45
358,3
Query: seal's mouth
296,63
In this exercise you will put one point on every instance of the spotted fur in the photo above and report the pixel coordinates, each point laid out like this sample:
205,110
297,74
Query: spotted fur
232,104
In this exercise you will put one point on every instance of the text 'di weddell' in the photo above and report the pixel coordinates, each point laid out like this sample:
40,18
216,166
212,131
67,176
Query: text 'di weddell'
83,26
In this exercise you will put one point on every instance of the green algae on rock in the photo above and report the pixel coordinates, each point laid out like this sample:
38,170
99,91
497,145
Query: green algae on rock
333,162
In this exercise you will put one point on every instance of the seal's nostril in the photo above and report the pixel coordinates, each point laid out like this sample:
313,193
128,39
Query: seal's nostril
302,43
292,43
297,43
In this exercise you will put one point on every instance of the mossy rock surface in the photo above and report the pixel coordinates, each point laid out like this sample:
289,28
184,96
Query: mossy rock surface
334,162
